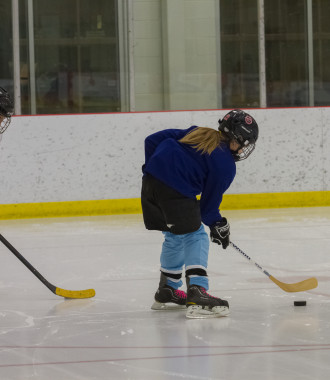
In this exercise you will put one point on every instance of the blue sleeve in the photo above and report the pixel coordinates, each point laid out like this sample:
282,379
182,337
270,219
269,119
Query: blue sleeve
211,198
152,141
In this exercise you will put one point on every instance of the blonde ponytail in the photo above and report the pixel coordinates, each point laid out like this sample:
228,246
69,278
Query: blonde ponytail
204,140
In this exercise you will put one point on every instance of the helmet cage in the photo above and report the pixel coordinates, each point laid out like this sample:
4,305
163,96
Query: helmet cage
244,152
4,124
6,109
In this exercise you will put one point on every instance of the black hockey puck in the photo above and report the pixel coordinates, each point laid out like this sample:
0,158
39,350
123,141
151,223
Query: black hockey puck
300,303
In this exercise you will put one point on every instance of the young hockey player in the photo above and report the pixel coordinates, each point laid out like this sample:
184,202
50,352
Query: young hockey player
179,165
6,110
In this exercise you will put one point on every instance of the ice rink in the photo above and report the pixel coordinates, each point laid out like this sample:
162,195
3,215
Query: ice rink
116,335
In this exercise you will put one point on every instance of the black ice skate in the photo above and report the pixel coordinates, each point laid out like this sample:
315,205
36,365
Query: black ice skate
168,298
202,305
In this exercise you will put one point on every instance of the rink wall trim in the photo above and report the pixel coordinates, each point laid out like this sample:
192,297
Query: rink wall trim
133,205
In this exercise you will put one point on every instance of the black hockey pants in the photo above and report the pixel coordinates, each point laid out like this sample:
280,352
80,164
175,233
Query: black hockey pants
164,209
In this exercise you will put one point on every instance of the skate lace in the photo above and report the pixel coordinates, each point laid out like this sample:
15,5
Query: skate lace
205,292
180,294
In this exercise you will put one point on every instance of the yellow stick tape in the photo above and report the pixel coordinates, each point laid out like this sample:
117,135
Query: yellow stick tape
133,205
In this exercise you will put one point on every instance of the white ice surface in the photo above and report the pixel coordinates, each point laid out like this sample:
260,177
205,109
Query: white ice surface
117,336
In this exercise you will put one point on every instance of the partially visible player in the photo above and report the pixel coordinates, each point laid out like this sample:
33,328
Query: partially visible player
6,110
179,165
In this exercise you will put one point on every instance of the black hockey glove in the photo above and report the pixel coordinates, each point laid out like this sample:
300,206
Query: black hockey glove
219,233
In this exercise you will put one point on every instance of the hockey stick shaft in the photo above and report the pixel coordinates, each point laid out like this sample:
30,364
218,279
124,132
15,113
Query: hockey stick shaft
301,286
27,264
60,292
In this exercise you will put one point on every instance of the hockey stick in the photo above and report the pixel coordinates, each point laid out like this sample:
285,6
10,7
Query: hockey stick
88,293
301,286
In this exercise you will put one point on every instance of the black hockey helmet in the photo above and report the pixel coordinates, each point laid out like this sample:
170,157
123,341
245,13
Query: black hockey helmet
240,126
6,109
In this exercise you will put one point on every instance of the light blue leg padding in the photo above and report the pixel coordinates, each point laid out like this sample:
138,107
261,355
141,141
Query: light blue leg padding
191,250
172,257
196,253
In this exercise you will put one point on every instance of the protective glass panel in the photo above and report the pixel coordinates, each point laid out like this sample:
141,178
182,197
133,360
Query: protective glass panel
6,51
76,56
286,53
239,53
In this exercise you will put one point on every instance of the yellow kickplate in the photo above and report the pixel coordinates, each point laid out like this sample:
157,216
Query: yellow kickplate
88,293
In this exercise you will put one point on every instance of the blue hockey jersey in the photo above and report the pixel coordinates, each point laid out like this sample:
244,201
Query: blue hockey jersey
183,168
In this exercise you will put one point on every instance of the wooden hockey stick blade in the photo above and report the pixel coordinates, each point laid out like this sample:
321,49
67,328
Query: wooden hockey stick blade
88,293
301,286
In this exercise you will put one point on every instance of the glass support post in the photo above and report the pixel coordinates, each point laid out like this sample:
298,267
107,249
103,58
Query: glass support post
126,54
218,42
311,100
16,57
262,54
32,59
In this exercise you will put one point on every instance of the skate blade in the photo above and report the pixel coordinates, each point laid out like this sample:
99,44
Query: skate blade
167,306
197,311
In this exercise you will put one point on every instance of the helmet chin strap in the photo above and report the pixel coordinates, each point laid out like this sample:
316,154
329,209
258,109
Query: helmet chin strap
235,154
